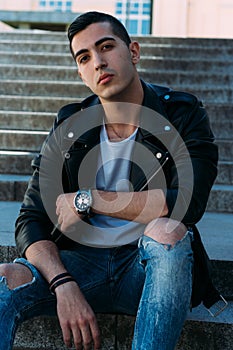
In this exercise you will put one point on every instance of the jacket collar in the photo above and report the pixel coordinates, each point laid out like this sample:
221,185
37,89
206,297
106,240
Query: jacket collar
152,121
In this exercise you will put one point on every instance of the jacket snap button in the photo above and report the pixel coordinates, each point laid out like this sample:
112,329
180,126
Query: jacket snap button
158,155
67,155
71,135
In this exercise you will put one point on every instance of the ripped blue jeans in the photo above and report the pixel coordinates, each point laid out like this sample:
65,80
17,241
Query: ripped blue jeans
151,281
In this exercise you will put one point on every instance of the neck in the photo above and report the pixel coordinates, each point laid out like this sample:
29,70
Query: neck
121,119
124,106
122,111
119,132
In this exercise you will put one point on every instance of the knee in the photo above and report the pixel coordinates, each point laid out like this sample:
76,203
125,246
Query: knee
165,230
15,274
5,270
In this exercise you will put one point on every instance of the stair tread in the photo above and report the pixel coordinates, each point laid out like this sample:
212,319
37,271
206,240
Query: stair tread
45,333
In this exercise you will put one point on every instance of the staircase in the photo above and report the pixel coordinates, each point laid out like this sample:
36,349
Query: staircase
38,76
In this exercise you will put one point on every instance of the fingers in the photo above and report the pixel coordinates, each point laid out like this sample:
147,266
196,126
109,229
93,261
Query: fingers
66,333
95,334
86,340
84,335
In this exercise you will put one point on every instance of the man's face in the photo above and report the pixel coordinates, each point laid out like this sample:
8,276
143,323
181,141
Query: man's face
105,63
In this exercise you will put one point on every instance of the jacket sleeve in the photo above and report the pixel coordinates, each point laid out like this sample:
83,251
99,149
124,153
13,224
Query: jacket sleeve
37,218
32,224
188,192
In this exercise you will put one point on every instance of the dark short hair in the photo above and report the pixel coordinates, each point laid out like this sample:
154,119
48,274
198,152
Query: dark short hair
85,19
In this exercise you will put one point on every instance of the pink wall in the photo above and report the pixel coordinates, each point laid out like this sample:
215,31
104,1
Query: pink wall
184,18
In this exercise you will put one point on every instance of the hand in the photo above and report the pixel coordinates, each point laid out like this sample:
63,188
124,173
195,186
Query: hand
76,318
67,215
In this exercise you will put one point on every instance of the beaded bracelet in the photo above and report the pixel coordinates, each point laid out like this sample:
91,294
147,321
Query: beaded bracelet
59,283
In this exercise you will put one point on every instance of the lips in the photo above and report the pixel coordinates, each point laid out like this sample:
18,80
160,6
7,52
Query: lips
105,78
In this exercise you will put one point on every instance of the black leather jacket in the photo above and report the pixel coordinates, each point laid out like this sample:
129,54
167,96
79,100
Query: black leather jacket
187,192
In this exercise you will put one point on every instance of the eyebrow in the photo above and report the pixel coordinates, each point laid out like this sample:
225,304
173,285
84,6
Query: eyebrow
97,43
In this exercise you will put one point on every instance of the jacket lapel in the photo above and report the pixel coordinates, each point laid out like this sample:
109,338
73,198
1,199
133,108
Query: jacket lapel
149,153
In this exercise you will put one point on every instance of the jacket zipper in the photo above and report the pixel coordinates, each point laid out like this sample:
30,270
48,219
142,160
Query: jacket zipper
155,173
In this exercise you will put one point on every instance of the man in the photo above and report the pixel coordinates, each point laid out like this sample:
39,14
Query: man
108,219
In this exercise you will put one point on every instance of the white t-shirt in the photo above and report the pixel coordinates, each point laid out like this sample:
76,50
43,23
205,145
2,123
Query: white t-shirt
112,175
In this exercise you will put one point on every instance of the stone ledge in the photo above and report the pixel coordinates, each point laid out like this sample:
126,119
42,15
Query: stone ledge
200,333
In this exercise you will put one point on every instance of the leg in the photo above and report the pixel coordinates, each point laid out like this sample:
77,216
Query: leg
23,294
166,254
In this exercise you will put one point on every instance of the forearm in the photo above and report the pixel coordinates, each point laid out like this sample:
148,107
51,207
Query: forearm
44,255
74,313
133,206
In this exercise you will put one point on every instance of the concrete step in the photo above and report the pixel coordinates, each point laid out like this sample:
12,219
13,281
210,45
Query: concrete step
13,186
219,112
219,115
185,80
201,332
52,104
22,140
225,149
222,129
225,173
44,88
38,58
174,76
221,199
38,72
17,120
221,93
146,62
16,162
42,121
185,51
158,49
26,120
34,103
31,141
192,64
19,163
216,234
39,35
35,35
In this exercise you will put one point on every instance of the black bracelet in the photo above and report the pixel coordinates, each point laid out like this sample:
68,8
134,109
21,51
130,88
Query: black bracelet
58,277
60,282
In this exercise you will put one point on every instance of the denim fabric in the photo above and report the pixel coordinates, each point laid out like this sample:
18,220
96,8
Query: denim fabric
114,280
166,293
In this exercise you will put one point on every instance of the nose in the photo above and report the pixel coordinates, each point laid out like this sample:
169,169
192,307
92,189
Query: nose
99,62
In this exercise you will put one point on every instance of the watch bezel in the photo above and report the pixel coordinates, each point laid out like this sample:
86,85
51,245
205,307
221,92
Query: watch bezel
85,211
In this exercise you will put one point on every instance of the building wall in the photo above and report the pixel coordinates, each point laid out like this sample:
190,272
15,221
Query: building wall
182,18
193,18
77,5
210,18
107,6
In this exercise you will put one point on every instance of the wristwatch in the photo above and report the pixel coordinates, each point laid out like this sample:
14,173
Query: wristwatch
83,202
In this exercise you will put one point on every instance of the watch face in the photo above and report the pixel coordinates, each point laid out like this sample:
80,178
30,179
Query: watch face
82,201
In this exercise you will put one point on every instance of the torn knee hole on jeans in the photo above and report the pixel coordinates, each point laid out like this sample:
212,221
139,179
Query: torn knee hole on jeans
166,246
13,280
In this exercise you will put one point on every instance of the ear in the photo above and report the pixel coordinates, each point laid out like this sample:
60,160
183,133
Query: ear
134,51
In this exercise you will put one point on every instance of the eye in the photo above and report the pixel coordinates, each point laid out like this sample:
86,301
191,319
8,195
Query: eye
83,59
107,47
